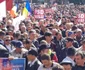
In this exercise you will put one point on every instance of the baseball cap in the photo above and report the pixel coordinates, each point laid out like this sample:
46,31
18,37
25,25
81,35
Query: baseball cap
33,52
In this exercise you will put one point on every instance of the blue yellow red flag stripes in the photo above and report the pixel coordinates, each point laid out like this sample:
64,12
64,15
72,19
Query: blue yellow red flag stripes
27,10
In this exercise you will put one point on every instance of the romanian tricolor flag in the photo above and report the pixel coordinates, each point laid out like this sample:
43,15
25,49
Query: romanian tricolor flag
27,10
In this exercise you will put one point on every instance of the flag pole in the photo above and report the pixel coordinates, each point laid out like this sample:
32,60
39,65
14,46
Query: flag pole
8,8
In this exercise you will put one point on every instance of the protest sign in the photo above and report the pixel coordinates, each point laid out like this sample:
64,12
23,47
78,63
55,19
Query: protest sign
49,10
15,64
49,13
39,13
81,18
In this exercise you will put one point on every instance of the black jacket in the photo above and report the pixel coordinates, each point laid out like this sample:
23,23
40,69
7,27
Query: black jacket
34,66
3,52
60,44
79,67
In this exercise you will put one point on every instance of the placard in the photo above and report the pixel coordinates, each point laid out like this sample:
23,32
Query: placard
15,64
39,13
81,18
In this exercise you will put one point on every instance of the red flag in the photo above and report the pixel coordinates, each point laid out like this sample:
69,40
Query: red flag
9,5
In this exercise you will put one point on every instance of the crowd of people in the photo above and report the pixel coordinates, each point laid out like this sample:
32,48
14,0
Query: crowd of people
55,43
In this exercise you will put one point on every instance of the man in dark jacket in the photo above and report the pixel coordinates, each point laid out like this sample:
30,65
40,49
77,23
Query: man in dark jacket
33,62
32,37
69,44
3,52
60,44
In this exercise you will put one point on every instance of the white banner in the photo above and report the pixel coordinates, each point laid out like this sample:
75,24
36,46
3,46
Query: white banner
2,9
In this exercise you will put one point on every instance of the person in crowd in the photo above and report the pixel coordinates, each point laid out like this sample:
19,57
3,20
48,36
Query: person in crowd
60,44
28,25
42,26
67,65
22,27
4,53
70,55
56,24
17,35
10,30
43,48
19,50
2,34
7,43
79,36
68,27
48,39
69,44
33,38
72,35
33,62
47,63
9,22
54,31
2,25
28,44
80,61
25,34
82,47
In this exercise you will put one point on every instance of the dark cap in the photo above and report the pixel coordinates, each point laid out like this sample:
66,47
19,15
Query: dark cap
33,52
48,33
13,42
17,44
69,39
42,47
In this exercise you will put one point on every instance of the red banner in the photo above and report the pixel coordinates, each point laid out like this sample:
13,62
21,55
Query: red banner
39,13
48,11
81,18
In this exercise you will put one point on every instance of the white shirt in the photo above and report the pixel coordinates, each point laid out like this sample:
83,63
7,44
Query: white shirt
10,48
18,55
41,67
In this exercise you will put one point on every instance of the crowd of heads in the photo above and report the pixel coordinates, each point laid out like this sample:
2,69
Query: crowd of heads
46,39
